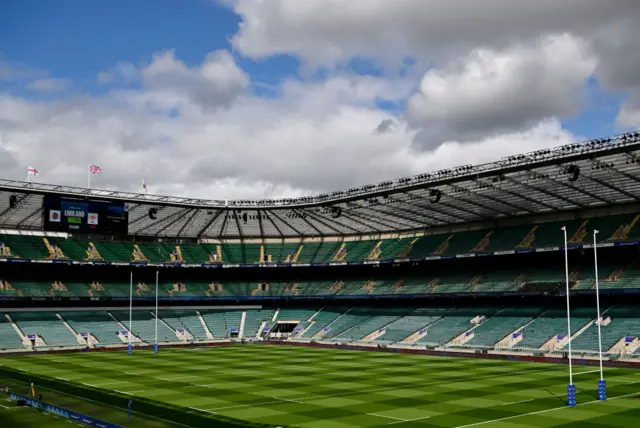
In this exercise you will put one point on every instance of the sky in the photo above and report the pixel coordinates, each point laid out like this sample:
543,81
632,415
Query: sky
247,99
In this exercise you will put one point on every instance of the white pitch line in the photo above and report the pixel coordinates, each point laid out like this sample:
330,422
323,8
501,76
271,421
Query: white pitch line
409,420
175,378
544,411
23,370
290,401
590,371
88,384
113,383
121,392
3,406
61,378
245,405
388,417
202,410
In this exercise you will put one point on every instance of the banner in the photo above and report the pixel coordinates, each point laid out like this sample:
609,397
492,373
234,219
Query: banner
59,411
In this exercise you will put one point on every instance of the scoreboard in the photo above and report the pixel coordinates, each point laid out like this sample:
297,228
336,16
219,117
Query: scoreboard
85,216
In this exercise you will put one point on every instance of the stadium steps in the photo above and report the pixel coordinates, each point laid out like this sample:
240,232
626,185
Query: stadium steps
453,325
318,252
143,326
624,322
552,324
374,325
46,325
254,319
392,248
502,324
71,329
348,321
10,337
122,326
208,333
98,323
25,246
186,320
323,320
417,323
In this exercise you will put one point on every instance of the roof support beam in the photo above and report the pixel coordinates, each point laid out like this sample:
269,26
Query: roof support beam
325,222
538,189
235,217
517,195
367,214
273,213
175,218
303,216
27,218
433,207
260,224
188,222
209,223
351,216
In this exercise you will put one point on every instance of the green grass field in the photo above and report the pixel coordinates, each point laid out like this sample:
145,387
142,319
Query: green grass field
326,388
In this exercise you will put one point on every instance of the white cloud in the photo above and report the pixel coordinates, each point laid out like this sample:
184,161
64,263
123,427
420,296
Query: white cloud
629,115
49,84
214,83
104,77
316,136
328,31
491,92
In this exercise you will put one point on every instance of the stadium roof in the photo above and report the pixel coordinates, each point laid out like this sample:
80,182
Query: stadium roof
594,173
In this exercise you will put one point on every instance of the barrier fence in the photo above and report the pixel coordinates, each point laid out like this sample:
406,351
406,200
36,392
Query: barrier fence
65,413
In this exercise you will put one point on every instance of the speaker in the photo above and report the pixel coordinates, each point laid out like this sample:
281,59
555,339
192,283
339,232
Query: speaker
244,217
336,212
574,172
13,201
153,213
435,194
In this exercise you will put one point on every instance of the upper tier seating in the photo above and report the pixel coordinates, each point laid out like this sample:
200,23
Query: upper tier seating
612,228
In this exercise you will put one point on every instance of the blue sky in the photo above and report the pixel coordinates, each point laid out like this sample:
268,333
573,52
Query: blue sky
308,82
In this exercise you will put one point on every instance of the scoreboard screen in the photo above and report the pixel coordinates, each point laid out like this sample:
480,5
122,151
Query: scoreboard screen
85,216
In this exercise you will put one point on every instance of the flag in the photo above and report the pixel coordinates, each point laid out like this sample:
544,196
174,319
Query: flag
144,186
564,228
95,169
595,231
33,171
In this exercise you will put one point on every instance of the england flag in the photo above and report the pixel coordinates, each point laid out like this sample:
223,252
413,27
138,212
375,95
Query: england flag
32,171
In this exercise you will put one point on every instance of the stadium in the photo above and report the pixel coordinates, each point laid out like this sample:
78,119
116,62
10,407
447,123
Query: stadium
502,294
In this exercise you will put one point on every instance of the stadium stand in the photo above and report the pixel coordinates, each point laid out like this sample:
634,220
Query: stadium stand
45,325
97,323
9,337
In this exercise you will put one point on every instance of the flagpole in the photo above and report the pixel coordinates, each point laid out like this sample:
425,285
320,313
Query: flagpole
602,385
89,177
571,388
130,312
156,345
